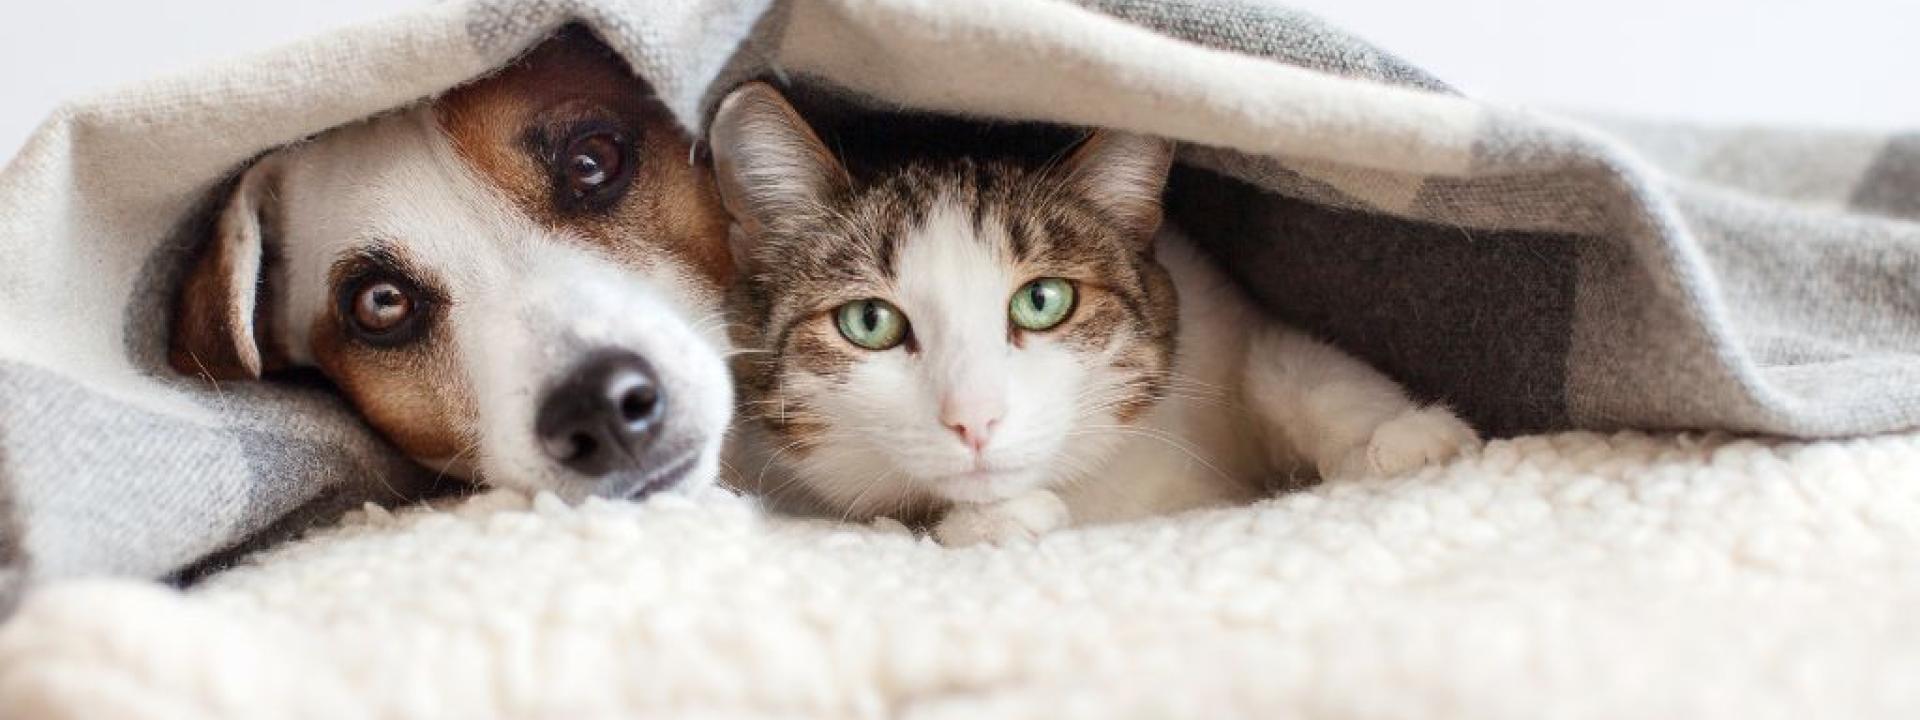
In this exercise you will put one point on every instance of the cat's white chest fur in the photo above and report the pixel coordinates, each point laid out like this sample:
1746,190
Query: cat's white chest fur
1199,446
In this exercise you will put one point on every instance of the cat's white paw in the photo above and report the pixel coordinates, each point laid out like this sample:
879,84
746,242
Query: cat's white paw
1414,439
1019,518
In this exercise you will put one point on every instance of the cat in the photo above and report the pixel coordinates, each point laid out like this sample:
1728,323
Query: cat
1004,348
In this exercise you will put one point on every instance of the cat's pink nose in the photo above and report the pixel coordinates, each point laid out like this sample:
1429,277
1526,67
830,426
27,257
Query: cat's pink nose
976,435
972,419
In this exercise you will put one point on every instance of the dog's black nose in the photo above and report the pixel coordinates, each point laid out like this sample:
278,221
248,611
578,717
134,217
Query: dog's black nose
601,416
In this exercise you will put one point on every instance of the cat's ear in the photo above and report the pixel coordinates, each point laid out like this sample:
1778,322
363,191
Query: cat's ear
1123,174
768,163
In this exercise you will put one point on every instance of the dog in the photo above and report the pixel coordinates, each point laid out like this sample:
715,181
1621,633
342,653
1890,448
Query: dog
518,282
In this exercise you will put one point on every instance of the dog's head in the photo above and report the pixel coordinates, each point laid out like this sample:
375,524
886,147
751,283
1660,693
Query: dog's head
518,282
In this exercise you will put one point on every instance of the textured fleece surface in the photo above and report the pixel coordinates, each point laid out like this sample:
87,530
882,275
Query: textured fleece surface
1567,576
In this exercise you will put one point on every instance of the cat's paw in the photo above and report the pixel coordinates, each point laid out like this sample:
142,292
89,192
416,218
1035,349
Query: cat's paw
1414,439
1019,518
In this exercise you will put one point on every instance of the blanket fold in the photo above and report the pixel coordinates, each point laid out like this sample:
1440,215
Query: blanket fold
1535,271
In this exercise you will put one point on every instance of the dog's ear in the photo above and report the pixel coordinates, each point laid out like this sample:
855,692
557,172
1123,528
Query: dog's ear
768,163
217,331
1123,174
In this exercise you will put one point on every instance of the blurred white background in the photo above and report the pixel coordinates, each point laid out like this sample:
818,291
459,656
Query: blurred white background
1824,62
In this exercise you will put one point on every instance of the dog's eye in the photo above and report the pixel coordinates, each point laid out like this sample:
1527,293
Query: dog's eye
382,310
593,168
592,161
381,306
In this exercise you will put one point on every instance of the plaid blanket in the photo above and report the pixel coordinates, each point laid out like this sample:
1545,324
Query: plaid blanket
1536,271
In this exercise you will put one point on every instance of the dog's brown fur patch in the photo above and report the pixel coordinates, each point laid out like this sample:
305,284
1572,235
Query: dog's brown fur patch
416,394
670,205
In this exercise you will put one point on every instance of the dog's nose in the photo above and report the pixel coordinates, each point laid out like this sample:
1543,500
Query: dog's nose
602,415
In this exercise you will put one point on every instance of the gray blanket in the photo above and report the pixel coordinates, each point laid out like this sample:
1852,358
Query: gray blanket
1537,272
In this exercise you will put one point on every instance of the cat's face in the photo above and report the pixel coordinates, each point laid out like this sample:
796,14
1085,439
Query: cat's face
963,331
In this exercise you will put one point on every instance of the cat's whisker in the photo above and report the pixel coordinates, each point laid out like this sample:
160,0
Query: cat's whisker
1176,378
780,491
1163,437
728,470
744,406
760,480
1190,380
710,322
1179,382
1120,396
1206,400
700,324
854,504
1082,477
1076,468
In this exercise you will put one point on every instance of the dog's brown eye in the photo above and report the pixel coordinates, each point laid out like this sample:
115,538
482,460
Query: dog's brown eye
593,162
384,308
381,306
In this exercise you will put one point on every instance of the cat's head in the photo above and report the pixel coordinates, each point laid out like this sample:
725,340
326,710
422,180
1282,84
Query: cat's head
961,330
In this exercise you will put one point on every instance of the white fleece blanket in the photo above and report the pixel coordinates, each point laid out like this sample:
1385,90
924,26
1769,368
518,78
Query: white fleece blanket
1569,576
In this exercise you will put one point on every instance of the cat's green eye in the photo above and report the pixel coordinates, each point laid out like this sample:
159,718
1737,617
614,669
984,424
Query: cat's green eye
1042,304
872,323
